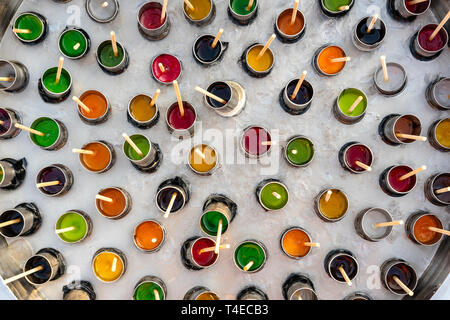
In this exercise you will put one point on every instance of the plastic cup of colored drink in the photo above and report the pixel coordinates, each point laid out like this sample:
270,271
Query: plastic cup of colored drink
149,236
292,243
322,60
390,180
368,41
258,67
110,63
203,13
172,68
417,227
302,101
56,91
298,287
200,293
425,48
167,189
118,208
36,23
109,264
149,21
9,117
234,95
30,220
400,269
52,263
141,114
290,32
145,289
239,11
103,158
203,159
341,258
203,51
195,259
406,124
250,251
147,148
406,10
437,93
74,43
272,195
255,141
77,219
367,219
15,70
345,101
434,183
331,7
55,133
299,151
352,152
439,135
213,212
101,14
397,79
181,125
99,107
56,172
335,208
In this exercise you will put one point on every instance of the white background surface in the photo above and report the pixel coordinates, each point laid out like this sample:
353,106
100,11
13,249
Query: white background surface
237,181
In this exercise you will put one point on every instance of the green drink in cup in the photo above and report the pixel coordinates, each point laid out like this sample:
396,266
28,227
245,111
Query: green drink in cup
55,84
112,56
243,11
335,8
150,288
350,106
73,226
143,154
250,256
74,43
48,133
272,195
217,207
30,27
299,151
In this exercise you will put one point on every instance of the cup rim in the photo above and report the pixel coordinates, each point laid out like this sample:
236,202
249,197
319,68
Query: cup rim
73,28
40,20
247,153
290,35
251,12
320,211
22,217
259,244
59,167
141,11
92,16
125,209
162,240
204,36
295,138
283,235
85,219
268,50
111,154
13,66
118,255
